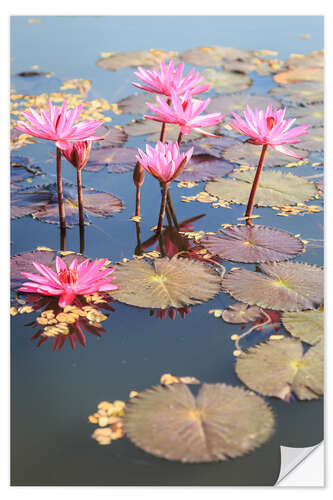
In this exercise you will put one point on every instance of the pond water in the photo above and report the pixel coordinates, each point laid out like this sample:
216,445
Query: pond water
54,392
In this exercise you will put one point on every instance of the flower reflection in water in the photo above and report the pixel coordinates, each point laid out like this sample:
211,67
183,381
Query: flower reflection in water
172,313
85,315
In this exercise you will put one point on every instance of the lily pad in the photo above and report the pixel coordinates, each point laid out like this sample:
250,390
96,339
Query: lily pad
222,422
313,141
136,104
249,154
165,283
43,203
320,184
22,169
241,313
113,136
275,188
252,244
308,326
300,75
215,56
311,60
153,130
309,115
227,82
278,368
300,93
213,146
237,103
205,167
116,160
282,286
146,58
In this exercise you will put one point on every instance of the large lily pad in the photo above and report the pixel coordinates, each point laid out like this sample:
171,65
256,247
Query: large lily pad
311,60
165,283
227,82
205,167
278,368
252,244
213,146
22,169
305,325
249,154
308,115
116,160
313,141
147,58
282,286
300,75
237,103
153,130
43,203
275,188
136,104
300,93
113,136
215,56
221,422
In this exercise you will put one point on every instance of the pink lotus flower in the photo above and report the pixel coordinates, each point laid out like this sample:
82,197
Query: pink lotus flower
57,125
170,79
269,127
184,112
78,153
165,162
85,278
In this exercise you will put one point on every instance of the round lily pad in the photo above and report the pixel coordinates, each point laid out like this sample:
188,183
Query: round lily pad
311,60
252,244
227,82
308,115
213,146
300,75
249,154
43,203
241,313
313,141
136,104
205,167
113,136
215,56
116,160
300,93
165,283
146,58
305,325
275,188
222,422
282,286
278,368
153,130
237,103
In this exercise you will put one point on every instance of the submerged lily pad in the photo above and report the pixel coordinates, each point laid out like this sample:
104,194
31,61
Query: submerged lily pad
278,368
237,103
22,169
249,154
165,283
313,141
241,313
305,325
300,93
113,136
136,104
252,244
309,115
275,188
311,60
146,58
205,167
116,160
227,82
153,130
43,203
300,75
282,286
222,422
216,56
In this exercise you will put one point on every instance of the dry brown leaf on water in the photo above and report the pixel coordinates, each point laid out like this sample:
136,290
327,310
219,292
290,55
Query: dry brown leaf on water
168,379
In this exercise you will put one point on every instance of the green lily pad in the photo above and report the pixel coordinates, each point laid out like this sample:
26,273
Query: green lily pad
275,188
300,93
252,244
278,368
237,103
309,115
249,154
305,325
215,56
222,422
146,58
313,141
165,283
226,82
282,286
241,313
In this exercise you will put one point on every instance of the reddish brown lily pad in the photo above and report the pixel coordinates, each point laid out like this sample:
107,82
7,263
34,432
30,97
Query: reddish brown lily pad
241,313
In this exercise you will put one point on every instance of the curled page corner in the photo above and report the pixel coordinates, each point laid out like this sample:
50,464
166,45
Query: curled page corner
291,458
